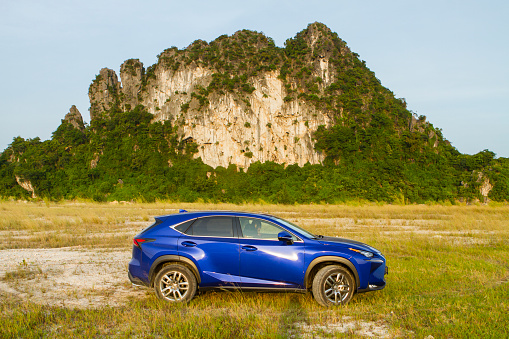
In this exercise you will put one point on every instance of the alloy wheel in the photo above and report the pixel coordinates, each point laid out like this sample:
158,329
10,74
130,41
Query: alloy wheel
174,286
336,288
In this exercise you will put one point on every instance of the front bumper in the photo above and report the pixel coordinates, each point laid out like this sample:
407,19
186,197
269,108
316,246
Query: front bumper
377,276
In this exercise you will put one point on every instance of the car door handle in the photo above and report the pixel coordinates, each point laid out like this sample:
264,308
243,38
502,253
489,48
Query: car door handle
188,243
249,248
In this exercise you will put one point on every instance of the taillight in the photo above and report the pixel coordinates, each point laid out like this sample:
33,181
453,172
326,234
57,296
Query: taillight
139,241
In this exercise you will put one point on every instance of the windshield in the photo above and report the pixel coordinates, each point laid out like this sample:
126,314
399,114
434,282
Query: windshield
295,228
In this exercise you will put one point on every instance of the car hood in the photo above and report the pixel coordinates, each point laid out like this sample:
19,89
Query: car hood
347,242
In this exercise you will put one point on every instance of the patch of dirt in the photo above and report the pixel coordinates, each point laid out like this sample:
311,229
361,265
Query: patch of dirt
69,276
463,240
357,328
505,280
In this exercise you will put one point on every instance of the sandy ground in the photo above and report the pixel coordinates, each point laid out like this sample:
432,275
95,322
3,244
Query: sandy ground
347,325
69,276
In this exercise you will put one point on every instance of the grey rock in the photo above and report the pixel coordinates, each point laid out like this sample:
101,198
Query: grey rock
103,92
131,74
74,118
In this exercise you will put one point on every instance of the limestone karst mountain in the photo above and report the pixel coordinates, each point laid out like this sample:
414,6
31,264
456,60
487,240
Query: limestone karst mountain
240,119
241,99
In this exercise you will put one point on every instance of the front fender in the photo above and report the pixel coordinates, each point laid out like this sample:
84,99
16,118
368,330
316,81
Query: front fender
331,258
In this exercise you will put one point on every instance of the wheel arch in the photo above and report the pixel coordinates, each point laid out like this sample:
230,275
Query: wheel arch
323,261
164,259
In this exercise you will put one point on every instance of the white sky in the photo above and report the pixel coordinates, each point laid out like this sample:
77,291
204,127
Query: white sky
447,58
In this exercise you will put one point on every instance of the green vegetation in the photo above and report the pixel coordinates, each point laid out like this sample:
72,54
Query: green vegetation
125,157
375,149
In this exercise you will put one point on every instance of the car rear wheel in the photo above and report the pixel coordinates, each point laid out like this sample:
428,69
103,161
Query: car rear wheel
333,285
175,283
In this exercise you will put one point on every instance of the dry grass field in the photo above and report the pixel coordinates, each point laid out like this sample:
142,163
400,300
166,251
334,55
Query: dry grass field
63,273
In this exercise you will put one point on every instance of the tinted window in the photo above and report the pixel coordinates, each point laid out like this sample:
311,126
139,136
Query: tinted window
212,227
183,227
260,229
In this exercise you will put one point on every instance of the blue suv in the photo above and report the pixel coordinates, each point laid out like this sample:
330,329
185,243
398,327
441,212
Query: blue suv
181,253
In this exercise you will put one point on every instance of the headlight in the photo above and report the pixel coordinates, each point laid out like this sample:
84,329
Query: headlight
364,253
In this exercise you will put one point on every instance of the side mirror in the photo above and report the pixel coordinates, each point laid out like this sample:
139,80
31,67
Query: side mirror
286,237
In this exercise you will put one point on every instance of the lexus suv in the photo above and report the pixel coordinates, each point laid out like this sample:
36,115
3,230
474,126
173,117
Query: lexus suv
181,253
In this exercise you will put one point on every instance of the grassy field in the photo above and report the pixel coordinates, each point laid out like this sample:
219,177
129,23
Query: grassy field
449,275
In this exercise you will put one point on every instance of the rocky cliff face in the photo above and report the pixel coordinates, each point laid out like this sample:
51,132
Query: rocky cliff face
131,75
26,185
229,128
103,92
242,100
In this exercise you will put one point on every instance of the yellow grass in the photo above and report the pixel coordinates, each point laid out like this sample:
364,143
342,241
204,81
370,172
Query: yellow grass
29,225
449,273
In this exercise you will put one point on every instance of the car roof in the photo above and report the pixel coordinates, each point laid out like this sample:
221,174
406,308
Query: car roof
196,214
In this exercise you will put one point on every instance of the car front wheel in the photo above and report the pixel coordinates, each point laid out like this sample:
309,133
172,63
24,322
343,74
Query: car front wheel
175,283
333,285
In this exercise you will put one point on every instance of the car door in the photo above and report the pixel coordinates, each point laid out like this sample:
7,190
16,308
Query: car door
265,261
214,245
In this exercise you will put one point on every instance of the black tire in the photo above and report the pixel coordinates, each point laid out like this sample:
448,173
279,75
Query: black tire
333,285
175,283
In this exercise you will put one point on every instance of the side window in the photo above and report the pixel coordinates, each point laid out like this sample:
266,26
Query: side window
260,229
185,226
212,227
